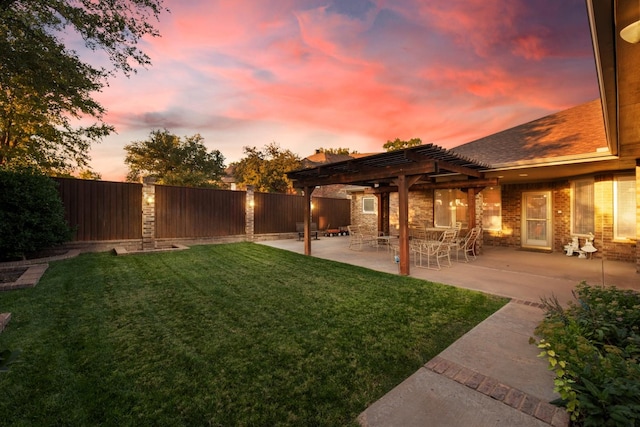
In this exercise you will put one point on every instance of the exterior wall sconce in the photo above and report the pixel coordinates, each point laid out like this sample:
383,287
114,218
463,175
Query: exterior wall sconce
150,199
252,203
631,33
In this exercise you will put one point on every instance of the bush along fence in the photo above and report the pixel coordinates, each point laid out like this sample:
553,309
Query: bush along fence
149,216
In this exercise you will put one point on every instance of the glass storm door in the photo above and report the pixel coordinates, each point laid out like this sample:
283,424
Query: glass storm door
536,220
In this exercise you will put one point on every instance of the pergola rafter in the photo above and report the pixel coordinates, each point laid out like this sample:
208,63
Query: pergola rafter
423,167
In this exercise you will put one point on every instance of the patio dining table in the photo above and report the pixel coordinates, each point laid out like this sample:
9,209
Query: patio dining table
435,233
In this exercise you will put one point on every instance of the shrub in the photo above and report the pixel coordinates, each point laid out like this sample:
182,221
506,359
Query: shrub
594,348
31,214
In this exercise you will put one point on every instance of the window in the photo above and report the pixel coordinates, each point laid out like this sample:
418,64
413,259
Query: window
450,206
491,208
582,207
624,207
369,205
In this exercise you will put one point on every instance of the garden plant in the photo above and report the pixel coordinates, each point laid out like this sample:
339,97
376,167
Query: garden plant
593,345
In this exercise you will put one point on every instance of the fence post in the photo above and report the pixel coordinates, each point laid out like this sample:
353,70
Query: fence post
148,213
250,213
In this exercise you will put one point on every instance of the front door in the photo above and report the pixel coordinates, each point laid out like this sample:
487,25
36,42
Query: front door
536,220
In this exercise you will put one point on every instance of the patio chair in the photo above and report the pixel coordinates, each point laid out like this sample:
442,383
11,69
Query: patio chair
433,251
355,237
467,244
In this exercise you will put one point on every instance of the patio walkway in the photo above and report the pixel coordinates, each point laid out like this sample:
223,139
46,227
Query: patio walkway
492,375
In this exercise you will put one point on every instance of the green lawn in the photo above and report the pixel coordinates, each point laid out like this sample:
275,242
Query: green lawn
223,335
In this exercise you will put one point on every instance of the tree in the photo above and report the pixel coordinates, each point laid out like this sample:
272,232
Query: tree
31,214
90,175
267,169
44,86
335,151
174,161
399,144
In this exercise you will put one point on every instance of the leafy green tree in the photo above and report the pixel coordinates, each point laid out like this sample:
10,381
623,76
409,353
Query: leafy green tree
174,161
44,86
267,169
90,175
399,144
31,214
335,151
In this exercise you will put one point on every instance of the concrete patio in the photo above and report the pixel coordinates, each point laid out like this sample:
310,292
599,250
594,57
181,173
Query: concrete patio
492,375
509,272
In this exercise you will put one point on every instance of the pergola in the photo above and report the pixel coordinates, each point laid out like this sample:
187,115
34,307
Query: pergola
424,167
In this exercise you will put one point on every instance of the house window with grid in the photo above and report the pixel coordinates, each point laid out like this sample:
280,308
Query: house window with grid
582,207
492,209
450,206
369,205
624,208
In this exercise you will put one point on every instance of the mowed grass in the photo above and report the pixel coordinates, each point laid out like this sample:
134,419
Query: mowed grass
223,335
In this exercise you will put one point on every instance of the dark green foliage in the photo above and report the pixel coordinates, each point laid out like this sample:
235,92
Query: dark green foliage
594,348
399,144
31,214
174,161
45,88
266,169
223,335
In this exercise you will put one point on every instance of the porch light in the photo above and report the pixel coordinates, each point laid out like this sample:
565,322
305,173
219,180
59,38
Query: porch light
631,33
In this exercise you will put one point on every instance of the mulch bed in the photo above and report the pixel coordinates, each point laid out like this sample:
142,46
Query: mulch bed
11,275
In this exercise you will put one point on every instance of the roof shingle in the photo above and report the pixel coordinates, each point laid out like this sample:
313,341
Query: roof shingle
576,131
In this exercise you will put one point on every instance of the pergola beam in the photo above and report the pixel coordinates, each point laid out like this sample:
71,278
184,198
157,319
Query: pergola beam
479,183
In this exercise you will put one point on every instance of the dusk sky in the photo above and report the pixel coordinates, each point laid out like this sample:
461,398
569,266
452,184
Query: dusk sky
349,73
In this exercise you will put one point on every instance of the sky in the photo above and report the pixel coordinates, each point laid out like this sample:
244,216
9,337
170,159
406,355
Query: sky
354,74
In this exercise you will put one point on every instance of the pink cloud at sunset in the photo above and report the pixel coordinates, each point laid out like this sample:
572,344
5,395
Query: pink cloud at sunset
309,74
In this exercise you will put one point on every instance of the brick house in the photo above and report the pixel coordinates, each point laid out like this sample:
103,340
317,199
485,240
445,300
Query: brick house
534,186
556,179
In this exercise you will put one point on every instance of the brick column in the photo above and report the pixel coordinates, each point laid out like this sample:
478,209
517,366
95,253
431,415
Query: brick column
250,213
148,213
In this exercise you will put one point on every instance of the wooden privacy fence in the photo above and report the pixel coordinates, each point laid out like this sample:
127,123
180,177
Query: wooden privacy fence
198,212
279,213
101,210
107,211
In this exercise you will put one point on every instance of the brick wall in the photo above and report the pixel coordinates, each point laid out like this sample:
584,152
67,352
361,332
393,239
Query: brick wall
421,211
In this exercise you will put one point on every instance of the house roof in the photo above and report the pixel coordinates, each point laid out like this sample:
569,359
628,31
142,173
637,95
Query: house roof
575,133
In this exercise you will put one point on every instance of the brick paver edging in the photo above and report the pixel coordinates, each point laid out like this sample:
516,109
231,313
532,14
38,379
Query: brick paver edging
4,319
28,279
544,411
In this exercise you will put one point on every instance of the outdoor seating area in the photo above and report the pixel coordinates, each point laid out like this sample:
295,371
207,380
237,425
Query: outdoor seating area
433,248
360,237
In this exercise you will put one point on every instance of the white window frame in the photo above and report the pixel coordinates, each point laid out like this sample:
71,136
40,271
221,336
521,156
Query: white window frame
372,200
618,234
575,206
495,225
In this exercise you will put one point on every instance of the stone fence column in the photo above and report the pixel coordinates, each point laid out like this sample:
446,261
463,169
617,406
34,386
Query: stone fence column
250,213
148,213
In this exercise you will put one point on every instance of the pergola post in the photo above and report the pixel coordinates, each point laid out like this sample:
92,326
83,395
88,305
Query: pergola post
307,219
471,202
383,212
403,217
